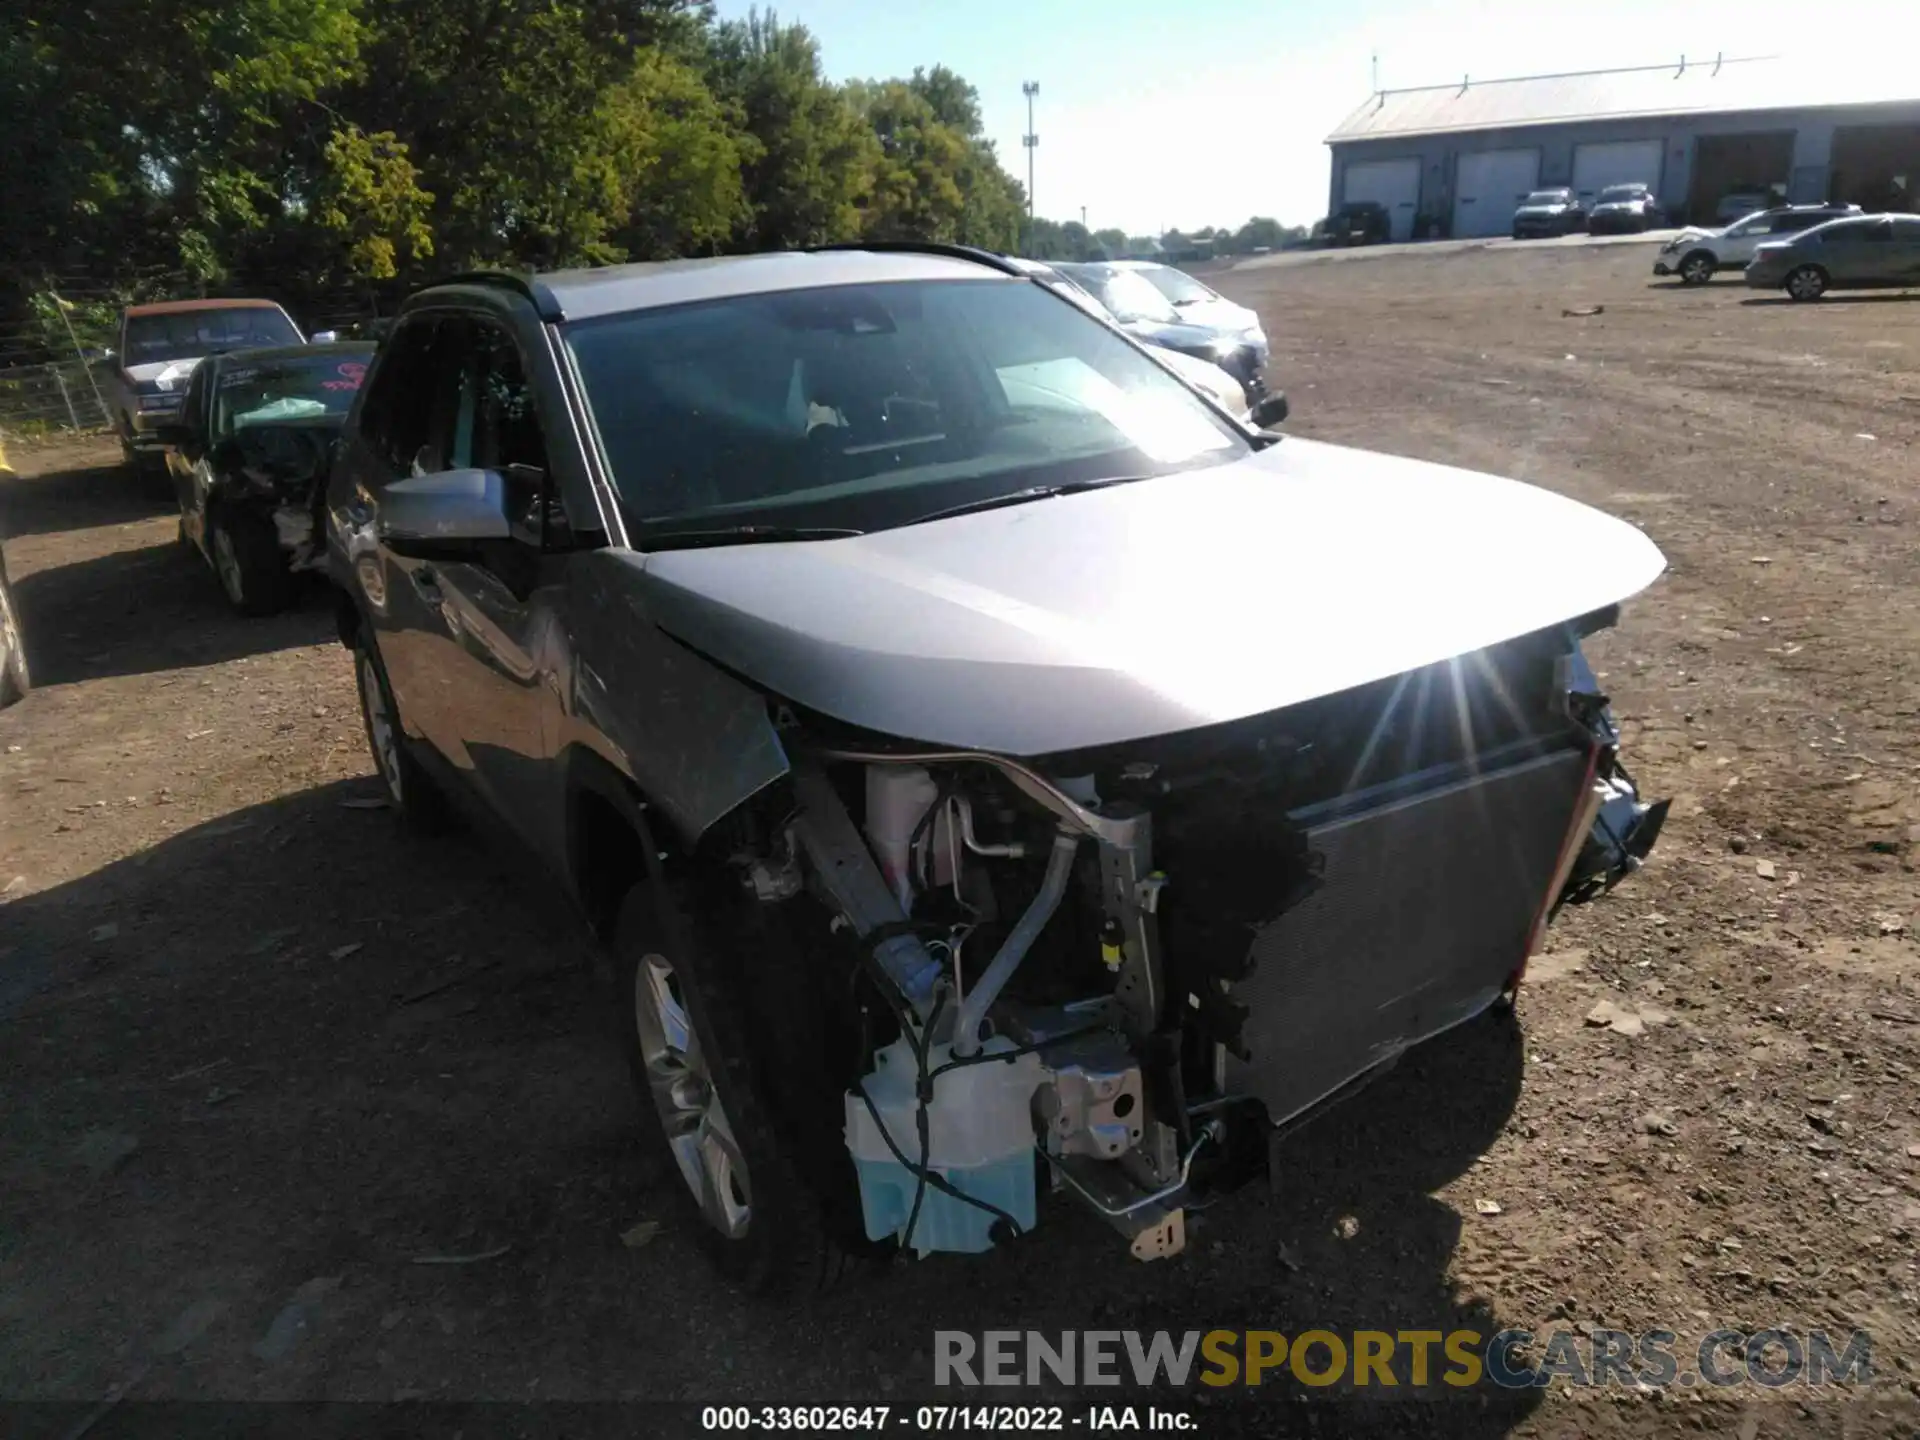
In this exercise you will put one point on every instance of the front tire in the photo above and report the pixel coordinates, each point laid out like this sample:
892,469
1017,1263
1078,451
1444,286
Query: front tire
249,563
422,809
1807,283
745,1177
1696,269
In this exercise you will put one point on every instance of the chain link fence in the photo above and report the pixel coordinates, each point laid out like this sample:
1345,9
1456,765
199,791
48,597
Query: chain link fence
50,350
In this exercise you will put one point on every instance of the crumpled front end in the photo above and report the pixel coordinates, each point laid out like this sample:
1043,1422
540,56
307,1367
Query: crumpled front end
280,470
1483,793
1199,937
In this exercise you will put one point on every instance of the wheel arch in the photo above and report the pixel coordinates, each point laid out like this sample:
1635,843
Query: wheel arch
616,835
609,843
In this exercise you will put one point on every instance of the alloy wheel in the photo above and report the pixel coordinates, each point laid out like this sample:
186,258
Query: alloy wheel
691,1113
1806,283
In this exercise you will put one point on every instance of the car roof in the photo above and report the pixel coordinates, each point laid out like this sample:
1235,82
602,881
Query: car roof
362,348
1847,220
177,307
618,289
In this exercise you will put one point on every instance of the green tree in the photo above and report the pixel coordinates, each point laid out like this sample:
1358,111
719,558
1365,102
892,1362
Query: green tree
682,154
1112,243
1257,232
915,191
168,134
814,154
370,200
956,104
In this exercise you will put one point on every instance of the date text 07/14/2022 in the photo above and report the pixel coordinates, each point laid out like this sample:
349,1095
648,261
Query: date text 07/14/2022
936,1419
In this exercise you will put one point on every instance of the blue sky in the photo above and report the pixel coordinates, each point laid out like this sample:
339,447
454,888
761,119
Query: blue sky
1204,112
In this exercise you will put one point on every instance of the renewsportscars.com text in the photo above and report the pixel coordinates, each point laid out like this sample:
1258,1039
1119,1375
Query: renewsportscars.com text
1388,1359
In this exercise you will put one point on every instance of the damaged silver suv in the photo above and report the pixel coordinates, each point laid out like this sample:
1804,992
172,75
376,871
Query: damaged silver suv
990,766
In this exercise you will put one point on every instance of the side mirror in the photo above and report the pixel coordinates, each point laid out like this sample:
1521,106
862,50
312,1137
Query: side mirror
173,433
454,507
1269,410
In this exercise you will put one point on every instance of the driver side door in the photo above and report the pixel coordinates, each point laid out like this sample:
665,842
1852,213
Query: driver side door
503,649
1856,253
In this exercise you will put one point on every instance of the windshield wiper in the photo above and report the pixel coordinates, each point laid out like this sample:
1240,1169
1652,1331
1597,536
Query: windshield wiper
742,535
1031,492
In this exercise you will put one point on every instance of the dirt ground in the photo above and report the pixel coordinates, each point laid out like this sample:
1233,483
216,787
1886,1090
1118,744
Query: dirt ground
262,1057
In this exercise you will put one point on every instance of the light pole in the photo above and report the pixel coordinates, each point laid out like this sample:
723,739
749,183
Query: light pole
1030,140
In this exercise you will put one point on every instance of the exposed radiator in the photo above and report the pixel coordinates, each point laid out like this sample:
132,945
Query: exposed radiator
1423,911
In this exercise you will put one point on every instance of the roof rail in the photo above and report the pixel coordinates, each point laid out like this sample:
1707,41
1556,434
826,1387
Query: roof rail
529,286
926,247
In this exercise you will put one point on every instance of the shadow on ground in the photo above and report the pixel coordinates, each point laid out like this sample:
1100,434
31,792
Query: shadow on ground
131,612
63,500
312,1055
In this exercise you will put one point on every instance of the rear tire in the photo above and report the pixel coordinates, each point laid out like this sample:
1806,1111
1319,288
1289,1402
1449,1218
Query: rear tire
414,798
249,563
745,1171
1809,282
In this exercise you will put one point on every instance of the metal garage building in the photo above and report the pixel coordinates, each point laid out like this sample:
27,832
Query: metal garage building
1456,159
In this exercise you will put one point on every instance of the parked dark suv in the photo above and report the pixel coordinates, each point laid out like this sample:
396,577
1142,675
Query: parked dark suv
859,637
1362,222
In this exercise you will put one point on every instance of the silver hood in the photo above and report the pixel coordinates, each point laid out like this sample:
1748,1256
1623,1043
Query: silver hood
1154,607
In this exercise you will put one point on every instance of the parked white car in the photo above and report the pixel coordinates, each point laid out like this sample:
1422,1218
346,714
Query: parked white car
1209,379
1198,304
1697,255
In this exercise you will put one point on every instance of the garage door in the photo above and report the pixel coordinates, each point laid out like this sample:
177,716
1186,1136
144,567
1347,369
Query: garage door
1621,162
1393,183
1488,188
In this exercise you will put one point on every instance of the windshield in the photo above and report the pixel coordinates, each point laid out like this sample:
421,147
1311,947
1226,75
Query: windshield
290,388
869,406
1615,194
190,334
1178,286
1125,294
1547,197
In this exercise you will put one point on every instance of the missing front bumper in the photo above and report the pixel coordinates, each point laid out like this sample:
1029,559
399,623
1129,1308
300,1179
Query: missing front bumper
1428,902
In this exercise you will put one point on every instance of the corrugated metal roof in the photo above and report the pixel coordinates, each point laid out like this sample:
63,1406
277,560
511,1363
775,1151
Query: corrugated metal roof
1699,87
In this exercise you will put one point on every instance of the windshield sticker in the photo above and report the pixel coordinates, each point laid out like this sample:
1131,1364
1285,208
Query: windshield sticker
349,374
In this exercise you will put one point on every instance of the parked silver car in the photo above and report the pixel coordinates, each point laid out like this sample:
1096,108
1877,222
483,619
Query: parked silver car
1866,252
979,754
